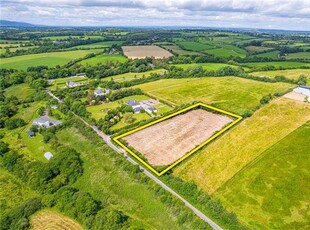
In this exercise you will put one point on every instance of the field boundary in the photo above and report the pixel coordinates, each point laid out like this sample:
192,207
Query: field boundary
116,139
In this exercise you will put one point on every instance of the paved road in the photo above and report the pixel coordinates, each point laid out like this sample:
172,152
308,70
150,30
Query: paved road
52,95
107,140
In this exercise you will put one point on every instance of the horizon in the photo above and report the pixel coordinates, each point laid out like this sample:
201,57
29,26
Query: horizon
266,15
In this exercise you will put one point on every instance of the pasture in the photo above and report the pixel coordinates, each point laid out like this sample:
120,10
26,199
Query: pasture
104,59
48,219
223,159
237,95
21,91
271,54
132,76
61,82
206,66
290,73
194,46
227,51
44,59
282,64
104,179
13,191
133,52
97,45
283,204
255,49
178,50
299,55
167,141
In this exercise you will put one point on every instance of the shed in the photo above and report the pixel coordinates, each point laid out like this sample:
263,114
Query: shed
31,134
48,155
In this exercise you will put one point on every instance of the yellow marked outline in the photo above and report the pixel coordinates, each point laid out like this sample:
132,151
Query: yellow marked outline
116,139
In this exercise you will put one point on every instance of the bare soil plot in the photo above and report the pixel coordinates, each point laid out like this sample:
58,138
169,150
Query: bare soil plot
145,51
49,220
165,142
295,96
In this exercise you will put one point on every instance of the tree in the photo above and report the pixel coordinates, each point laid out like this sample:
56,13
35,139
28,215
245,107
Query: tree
4,148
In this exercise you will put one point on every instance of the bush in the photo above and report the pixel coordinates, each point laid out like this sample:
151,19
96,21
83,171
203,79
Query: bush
4,148
14,123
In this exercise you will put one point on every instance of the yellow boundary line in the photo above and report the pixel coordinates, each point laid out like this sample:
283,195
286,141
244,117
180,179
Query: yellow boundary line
116,139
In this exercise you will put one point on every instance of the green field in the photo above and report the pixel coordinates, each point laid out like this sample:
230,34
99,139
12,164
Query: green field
131,76
300,55
54,38
272,54
206,66
233,94
99,111
194,46
107,181
21,91
13,192
180,51
46,59
289,73
61,82
103,59
253,49
282,173
99,45
283,64
227,51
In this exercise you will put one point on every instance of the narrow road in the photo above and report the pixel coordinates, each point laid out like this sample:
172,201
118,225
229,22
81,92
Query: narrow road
52,95
108,141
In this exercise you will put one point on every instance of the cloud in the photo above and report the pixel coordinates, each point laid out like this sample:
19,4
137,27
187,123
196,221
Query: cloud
279,14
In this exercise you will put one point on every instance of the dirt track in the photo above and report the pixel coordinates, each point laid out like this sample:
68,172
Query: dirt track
145,51
167,141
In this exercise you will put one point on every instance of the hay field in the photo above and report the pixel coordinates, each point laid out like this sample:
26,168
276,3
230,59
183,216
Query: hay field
145,51
165,142
289,73
49,220
224,158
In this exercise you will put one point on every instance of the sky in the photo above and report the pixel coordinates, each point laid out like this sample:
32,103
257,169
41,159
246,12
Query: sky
266,14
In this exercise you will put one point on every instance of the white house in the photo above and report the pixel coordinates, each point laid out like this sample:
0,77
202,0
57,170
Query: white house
45,122
305,90
71,84
138,106
99,92
48,155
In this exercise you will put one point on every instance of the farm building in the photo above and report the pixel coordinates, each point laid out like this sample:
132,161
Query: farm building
30,134
100,92
305,90
139,106
71,84
45,122
48,155
132,102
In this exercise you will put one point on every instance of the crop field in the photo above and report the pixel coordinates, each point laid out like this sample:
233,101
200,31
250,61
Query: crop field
179,50
194,46
290,73
284,202
132,76
13,188
103,59
220,161
283,64
99,111
232,94
46,59
133,52
207,66
47,219
104,179
300,55
21,91
167,141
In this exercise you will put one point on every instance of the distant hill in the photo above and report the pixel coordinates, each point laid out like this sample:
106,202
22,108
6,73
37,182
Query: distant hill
6,23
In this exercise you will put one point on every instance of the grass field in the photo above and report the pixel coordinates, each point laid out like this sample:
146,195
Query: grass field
290,73
282,173
282,64
253,49
99,45
106,181
233,94
46,59
13,191
131,76
61,82
219,162
48,219
207,66
194,46
21,91
99,111
180,51
54,38
272,54
300,55
103,59
227,51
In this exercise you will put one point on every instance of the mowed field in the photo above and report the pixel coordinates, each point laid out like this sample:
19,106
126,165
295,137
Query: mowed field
51,220
283,64
44,59
131,76
207,66
103,59
21,91
145,51
217,165
169,140
232,94
290,73
282,173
